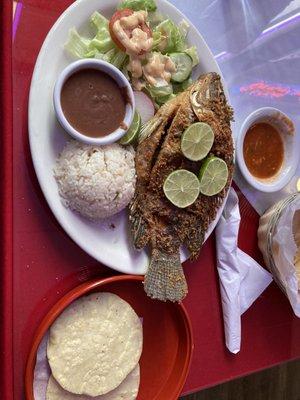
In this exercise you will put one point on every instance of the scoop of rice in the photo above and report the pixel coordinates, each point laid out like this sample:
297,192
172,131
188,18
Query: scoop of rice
96,181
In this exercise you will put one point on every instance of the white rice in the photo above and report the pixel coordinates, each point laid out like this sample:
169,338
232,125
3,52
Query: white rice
96,181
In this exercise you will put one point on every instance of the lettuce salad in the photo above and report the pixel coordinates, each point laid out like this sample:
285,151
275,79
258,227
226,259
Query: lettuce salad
168,46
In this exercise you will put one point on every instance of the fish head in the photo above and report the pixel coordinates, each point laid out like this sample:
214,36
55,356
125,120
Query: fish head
207,88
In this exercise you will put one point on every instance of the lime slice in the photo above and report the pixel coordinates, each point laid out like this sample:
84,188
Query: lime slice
182,188
133,132
213,176
197,140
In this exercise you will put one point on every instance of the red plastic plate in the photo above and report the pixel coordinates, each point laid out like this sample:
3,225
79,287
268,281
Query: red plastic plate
167,346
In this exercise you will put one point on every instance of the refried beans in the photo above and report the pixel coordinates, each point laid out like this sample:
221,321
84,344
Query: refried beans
93,103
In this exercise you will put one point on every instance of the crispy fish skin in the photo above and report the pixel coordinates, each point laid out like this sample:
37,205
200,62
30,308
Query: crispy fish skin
170,155
165,278
145,158
167,227
210,106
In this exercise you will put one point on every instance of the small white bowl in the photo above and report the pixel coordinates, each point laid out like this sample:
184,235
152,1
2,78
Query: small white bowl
118,77
285,127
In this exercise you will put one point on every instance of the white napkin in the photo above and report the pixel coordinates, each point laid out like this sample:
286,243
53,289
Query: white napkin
242,279
42,371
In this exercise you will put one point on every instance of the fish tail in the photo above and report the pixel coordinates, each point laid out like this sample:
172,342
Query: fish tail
165,278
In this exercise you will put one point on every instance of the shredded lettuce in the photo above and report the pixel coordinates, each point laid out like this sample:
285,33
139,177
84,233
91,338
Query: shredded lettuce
102,41
77,45
155,18
180,87
92,54
136,5
192,52
165,93
160,94
104,56
167,38
159,91
184,27
113,56
108,56
119,59
98,46
157,39
172,35
98,21
163,99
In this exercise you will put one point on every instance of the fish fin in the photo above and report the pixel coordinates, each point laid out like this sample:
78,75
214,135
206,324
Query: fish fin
149,127
139,227
165,278
195,239
140,232
163,115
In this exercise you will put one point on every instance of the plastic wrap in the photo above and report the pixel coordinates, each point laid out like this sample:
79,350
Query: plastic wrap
279,242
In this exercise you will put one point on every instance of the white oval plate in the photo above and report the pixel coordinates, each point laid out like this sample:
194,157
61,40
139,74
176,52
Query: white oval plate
108,241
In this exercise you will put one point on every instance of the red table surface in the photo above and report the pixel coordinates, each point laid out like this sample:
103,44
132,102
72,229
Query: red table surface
46,263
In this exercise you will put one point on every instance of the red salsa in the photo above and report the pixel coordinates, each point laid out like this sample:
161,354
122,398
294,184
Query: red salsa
263,150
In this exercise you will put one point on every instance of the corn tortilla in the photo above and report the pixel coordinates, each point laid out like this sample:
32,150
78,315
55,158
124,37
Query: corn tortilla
94,344
127,390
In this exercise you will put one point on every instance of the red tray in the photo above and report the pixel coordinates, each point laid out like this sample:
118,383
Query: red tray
41,263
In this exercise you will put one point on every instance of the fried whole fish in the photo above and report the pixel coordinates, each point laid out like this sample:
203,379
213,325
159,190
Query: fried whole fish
156,221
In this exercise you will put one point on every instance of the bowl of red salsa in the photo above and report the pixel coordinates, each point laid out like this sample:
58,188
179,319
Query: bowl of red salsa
266,149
